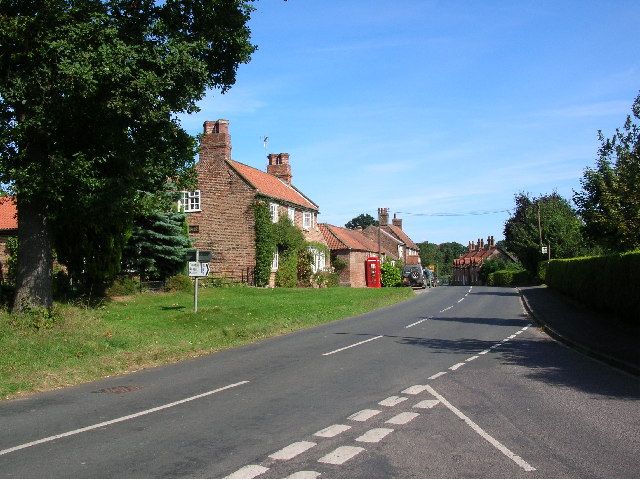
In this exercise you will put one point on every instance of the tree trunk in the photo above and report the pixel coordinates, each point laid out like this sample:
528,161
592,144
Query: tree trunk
35,260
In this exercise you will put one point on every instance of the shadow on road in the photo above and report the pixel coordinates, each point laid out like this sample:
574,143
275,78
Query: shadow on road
495,293
488,321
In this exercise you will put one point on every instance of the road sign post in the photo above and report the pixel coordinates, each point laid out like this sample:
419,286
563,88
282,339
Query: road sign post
198,262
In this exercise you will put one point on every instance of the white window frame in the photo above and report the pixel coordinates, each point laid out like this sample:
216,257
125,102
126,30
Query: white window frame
190,201
319,259
275,262
273,209
307,220
292,214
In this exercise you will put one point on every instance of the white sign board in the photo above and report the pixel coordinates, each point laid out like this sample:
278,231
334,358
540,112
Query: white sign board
198,269
545,250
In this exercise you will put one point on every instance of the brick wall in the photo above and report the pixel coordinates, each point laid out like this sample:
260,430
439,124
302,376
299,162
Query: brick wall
4,255
226,223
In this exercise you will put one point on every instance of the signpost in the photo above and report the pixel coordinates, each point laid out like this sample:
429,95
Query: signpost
198,268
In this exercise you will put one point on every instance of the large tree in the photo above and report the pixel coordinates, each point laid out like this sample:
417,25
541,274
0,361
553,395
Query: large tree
550,216
609,202
361,221
89,92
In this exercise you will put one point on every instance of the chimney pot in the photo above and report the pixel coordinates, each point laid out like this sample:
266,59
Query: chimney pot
396,221
279,166
383,216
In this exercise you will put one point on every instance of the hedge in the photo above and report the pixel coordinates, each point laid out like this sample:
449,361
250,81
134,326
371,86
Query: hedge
606,283
507,277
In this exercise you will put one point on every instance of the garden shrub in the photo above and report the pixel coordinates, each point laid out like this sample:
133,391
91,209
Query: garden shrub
287,274
509,277
606,283
178,282
123,286
391,274
326,279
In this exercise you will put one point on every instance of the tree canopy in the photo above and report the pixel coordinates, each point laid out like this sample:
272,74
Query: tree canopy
609,202
89,92
559,224
441,255
361,221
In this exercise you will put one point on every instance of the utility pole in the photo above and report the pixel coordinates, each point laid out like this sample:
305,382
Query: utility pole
539,225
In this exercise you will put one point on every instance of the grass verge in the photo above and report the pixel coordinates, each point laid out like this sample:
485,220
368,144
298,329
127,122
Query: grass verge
77,344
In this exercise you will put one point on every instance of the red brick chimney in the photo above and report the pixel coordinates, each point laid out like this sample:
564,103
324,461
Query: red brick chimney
383,216
215,144
279,166
396,221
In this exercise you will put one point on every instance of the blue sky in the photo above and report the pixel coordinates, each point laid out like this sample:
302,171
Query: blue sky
429,107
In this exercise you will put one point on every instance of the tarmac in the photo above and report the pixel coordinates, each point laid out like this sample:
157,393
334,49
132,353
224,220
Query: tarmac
600,336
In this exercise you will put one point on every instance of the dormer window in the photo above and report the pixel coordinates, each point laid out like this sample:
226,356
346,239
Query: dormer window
190,201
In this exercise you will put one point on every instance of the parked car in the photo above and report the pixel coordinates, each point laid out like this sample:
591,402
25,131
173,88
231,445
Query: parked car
412,275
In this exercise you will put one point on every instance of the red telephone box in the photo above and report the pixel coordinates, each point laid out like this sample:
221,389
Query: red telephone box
372,272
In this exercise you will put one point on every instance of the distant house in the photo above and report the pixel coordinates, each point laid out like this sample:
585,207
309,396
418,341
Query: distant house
392,238
353,247
8,229
466,268
220,212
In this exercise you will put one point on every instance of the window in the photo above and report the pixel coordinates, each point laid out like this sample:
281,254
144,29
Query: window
275,262
273,209
292,215
190,201
306,220
319,260
400,251
194,229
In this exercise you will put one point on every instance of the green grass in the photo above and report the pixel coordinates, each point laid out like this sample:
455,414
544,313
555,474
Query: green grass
78,344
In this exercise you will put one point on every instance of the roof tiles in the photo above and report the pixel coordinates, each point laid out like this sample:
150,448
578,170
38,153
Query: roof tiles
8,213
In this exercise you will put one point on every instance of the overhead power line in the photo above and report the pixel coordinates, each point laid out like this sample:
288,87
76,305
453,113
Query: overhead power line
468,213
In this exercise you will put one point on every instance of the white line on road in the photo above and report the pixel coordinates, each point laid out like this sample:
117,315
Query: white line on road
515,458
426,404
292,450
375,435
248,472
352,345
392,401
446,309
437,375
460,300
403,418
364,415
417,322
120,419
333,430
484,352
456,366
472,358
417,389
341,455
304,475
512,336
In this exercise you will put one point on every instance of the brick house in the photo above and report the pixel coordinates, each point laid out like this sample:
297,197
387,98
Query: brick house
466,268
8,229
353,247
220,211
393,239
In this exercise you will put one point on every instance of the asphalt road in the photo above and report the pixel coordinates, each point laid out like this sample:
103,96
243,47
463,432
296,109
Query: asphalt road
454,383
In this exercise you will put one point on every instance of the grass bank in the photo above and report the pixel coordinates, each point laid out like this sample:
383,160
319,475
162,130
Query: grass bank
78,344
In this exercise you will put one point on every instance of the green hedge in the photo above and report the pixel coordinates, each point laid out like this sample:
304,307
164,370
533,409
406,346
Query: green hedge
606,283
507,277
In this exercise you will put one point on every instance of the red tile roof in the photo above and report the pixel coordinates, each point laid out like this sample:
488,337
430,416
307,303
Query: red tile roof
342,238
272,186
401,235
8,213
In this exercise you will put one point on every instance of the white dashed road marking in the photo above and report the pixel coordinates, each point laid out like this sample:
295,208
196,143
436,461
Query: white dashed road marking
304,475
364,415
484,352
332,431
403,418
341,455
292,450
352,346
456,366
446,309
515,458
417,322
374,435
426,404
471,358
437,375
460,300
417,389
248,472
392,401
120,419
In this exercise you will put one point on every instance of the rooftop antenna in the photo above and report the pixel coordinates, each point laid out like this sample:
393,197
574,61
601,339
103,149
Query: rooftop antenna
265,142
